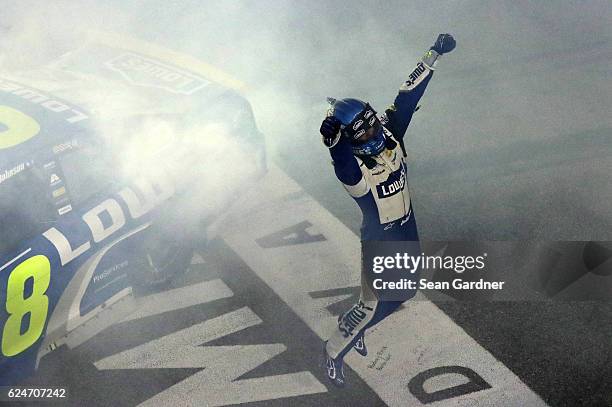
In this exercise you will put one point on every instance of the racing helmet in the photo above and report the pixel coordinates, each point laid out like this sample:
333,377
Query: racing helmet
359,124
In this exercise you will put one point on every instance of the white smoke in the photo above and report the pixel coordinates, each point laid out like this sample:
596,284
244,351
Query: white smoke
33,32
205,160
528,76
207,164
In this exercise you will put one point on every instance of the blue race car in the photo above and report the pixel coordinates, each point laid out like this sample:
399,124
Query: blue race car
113,159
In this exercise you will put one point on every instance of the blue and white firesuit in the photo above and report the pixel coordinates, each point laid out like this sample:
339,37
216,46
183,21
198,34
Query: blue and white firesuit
379,186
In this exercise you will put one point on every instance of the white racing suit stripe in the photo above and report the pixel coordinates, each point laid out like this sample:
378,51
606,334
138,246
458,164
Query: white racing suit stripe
420,73
359,189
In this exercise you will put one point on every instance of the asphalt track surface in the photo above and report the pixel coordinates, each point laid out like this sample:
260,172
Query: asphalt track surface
223,329
277,325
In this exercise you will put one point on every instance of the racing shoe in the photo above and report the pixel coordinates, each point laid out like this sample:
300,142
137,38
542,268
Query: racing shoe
334,368
360,346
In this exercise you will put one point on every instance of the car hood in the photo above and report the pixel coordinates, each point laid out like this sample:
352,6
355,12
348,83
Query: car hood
107,83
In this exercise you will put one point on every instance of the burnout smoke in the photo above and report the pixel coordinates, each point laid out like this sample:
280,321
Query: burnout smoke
207,163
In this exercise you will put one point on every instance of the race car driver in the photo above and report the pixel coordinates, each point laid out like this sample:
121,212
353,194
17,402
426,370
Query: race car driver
369,159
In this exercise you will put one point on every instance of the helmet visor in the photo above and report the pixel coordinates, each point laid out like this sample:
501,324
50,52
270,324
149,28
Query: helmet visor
366,133
372,142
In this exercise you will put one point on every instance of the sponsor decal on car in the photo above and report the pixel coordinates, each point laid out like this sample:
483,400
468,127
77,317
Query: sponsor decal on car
68,145
54,179
50,165
70,114
58,192
22,324
148,72
11,172
64,210
104,274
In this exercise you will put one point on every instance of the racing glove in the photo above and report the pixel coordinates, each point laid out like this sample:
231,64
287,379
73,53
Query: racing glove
330,130
444,44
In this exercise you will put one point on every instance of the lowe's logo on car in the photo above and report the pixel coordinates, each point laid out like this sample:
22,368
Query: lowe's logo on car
143,71
71,115
106,218
26,317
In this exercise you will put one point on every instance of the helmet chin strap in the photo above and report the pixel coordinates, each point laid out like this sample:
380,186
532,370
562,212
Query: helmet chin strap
372,147
369,160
